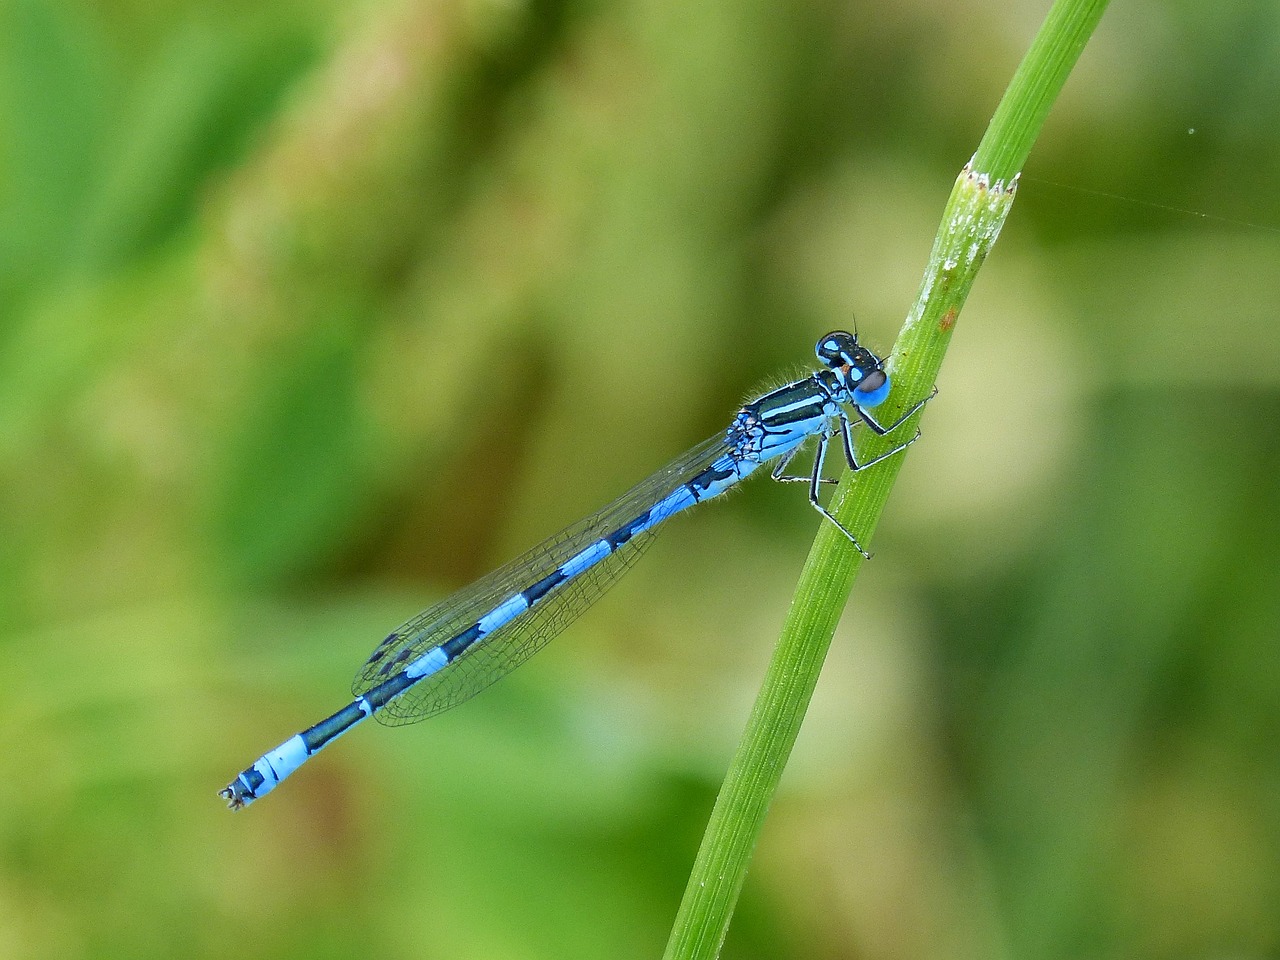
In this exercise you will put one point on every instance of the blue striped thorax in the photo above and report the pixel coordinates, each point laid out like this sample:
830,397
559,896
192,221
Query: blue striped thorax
775,423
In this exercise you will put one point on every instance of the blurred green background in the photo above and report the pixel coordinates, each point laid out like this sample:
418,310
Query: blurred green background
312,312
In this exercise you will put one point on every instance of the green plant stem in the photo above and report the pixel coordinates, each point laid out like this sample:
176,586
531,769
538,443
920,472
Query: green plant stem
971,222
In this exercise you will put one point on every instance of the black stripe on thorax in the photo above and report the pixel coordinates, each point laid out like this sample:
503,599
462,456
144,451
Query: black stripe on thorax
791,404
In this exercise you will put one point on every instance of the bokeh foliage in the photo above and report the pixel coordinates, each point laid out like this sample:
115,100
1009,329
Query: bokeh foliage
309,313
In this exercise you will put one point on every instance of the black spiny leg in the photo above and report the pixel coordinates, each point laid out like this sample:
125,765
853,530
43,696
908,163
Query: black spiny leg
815,481
784,462
871,421
854,465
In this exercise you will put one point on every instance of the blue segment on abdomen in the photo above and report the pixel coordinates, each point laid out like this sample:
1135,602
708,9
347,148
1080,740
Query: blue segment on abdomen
719,477
503,613
669,506
587,559
430,662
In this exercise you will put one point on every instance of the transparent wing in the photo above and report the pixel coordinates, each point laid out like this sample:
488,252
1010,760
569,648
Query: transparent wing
500,652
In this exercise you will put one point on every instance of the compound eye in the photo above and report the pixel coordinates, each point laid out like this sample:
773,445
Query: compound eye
872,388
872,382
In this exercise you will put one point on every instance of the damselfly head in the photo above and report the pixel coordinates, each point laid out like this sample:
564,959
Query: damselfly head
861,371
